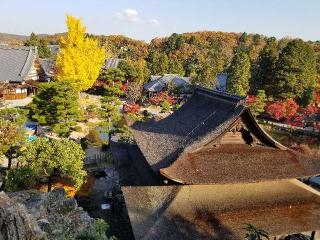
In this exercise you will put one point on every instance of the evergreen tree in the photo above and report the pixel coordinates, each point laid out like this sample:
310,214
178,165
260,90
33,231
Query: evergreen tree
80,59
175,66
239,74
142,71
135,71
130,72
41,44
57,105
48,158
32,41
113,78
163,64
174,42
208,67
43,50
204,76
296,72
265,76
158,63
110,111
260,102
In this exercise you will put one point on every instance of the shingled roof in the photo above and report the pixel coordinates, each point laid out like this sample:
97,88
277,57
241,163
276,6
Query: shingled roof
221,211
185,146
158,83
205,116
230,172
235,163
15,62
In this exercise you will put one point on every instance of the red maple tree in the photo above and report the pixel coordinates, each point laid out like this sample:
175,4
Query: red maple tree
282,110
132,108
160,97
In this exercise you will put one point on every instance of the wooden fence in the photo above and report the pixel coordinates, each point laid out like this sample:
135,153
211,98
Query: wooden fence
96,160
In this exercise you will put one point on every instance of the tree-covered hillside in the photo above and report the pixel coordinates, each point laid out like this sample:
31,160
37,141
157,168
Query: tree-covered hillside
272,63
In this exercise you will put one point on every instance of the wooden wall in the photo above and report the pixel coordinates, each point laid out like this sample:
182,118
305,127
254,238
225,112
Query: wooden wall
14,96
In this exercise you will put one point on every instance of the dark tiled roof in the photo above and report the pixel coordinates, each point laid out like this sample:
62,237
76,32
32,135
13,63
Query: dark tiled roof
236,163
132,167
222,82
15,62
48,66
54,49
158,83
220,211
205,116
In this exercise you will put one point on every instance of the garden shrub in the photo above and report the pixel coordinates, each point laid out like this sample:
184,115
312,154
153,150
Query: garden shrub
78,129
165,105
97,231
175,107
21,178
93,137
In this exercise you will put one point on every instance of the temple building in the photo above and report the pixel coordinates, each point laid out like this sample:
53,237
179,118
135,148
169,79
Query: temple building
19,72
208,169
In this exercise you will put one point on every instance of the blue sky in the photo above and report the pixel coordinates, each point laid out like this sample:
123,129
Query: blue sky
146,19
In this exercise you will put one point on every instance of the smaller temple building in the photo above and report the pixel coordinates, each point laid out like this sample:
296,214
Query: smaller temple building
19,71
208,169
160,83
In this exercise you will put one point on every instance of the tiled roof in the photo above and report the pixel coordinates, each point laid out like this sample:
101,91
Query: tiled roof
188,212
15,62
48,66
55,49
158,83
111,63
222,82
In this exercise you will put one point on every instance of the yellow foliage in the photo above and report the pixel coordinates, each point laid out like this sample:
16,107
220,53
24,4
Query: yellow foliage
81,58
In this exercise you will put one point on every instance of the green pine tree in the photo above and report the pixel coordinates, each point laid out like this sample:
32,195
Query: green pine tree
296,72
265,76
239,74
41,44
57,105
175,66
258,106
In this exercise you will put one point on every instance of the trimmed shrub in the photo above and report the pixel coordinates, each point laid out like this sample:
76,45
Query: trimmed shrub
21,178
78,129
93,137
165,105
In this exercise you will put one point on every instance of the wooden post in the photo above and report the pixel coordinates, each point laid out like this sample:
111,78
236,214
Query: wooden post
312,235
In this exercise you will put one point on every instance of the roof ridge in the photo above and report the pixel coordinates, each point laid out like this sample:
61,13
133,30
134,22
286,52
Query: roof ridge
16,47
23,70
223,95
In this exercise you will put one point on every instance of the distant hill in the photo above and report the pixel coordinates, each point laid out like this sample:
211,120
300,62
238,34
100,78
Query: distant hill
6,38
15,39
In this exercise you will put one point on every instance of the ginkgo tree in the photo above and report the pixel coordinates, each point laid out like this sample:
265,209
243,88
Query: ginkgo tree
81,57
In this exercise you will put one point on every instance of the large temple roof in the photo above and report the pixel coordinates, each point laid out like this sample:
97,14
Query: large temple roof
204,142
206,115
236,163
230,172
221,211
